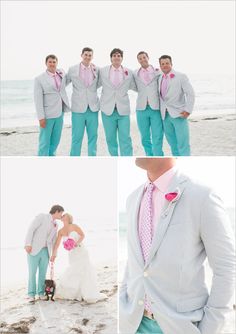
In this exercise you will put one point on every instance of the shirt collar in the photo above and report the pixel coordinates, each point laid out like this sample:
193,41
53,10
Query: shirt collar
116,69
163,181
85,67
51,74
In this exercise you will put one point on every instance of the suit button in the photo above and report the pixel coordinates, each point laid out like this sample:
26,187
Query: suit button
140,302
145,274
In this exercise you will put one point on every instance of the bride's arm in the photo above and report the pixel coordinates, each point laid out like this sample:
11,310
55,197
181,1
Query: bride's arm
81,233
55,248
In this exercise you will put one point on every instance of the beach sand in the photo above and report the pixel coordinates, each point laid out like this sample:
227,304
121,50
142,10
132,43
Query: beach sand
209,136
62,316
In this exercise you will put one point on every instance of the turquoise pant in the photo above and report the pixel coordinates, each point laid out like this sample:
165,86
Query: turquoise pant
117,125
177,134
151,129
80,121
148,326
49,137
37,262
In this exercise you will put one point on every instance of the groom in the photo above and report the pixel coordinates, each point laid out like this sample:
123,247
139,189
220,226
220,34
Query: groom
174,224
39,242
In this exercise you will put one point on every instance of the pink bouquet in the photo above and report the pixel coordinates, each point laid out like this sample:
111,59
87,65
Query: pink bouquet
69,244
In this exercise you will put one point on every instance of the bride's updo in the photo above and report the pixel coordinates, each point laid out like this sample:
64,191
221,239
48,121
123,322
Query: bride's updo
69,217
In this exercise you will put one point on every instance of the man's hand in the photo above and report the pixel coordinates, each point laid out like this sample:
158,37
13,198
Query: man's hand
184,114
28,249
53,257
42,123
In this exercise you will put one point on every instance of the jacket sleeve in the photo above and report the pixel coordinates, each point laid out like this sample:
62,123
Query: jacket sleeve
217,236
133,85
189,93
33,227
38,99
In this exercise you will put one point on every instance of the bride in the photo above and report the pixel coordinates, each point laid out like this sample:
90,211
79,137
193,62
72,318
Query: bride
79,279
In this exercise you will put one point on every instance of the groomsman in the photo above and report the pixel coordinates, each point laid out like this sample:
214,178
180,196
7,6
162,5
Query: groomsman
84,103
116,80
177,101
147,108
51,102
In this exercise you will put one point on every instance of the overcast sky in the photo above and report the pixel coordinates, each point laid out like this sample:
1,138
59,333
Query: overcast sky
86,188
217,172
199,35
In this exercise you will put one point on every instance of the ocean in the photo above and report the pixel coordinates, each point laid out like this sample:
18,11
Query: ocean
214,94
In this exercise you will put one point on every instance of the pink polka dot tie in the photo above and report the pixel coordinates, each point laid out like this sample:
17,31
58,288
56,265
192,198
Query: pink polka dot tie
145,230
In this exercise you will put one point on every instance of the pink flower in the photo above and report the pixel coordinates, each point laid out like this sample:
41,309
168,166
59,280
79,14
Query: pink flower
69,244
171,196
126,72
172,75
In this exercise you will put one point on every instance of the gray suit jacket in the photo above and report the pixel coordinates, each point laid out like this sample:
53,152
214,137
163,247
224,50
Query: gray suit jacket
41,233
83,96
193,227
179,97
49,102
118,96
147,92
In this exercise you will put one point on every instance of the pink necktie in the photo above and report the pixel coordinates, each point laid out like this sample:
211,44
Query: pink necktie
116,78
56,83
145,230
164,84
146,77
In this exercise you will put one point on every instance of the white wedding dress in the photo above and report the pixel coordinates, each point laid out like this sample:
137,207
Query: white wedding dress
79,279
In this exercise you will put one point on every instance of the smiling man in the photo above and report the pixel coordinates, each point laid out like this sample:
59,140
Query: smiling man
84,103
51,102
177,101
116,81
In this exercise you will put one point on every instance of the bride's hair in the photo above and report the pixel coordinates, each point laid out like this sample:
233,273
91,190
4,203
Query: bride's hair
70,218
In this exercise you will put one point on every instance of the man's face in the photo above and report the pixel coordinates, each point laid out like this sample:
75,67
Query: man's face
51,65
165,65
143,60
116,59
58,215
87,57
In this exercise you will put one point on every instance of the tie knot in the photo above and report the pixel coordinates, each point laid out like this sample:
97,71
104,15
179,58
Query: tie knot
150,187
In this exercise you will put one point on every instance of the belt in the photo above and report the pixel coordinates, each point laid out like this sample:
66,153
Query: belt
148,314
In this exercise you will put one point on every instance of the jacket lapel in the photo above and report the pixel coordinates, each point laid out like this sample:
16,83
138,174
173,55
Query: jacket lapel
177,185
49,81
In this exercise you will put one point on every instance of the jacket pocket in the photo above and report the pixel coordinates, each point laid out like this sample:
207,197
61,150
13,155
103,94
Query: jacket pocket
192,304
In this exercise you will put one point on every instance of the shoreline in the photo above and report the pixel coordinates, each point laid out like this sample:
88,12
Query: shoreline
209,135
62,316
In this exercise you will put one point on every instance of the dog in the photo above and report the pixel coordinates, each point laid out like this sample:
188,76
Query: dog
50,288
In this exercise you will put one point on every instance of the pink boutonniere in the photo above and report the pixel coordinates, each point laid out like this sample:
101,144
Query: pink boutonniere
172,75
94,67
126,72
60,73
171,198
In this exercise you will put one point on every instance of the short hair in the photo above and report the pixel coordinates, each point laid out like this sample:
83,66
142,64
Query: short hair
50,56
87,49
116,50
142,52
56,208
165,57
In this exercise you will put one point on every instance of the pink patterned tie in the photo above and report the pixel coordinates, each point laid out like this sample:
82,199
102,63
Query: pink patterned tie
164,84
116,78
145,230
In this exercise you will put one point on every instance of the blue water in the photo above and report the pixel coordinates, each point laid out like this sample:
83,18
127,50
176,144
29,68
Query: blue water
214,93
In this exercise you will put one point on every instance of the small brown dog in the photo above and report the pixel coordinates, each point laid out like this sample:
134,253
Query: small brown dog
50,288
